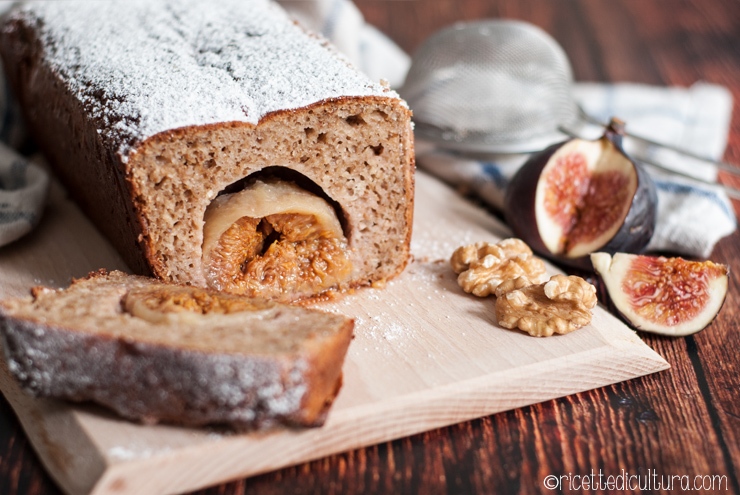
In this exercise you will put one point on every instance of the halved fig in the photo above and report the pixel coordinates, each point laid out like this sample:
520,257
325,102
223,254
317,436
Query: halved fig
580,196
667,296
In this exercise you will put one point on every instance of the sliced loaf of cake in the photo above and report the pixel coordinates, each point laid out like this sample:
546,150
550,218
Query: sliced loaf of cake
160,352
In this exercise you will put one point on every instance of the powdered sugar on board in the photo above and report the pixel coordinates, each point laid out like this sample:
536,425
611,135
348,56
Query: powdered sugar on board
428,244
142,67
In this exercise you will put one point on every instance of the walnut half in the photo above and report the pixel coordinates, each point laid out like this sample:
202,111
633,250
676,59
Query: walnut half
561,305
483,266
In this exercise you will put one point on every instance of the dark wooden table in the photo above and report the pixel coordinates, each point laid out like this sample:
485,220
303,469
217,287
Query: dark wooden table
681,422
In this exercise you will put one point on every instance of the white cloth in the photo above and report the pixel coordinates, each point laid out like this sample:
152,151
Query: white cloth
692,217
23,190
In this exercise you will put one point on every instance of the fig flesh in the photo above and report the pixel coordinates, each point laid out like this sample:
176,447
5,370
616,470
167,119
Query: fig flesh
667,296
578,197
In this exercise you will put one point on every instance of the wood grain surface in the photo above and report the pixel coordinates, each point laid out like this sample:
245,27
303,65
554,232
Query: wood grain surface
424,355
685,421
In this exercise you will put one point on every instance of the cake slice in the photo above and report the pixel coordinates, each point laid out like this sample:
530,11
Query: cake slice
160,352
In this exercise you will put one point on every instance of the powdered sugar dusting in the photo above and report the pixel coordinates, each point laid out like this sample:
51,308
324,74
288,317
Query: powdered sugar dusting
127,453
141,67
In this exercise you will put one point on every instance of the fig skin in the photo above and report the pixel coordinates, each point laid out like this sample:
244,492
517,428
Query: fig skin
633,235
612,271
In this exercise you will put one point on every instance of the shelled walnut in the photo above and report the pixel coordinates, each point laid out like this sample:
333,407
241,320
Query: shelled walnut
483,266
511,284
561,305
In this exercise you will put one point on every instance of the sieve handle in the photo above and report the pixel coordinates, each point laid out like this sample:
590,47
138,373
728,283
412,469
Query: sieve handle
731,191
719,164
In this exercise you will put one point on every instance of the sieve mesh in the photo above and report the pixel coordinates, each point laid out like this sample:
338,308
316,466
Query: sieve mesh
497,86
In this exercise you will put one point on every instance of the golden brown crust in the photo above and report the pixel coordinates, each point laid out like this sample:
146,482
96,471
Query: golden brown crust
325,377
187,356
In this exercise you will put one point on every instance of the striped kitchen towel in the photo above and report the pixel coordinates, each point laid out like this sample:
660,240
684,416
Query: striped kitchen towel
23,190
23,185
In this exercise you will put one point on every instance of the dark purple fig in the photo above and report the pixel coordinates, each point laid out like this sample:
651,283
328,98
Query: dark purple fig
578,197
667,296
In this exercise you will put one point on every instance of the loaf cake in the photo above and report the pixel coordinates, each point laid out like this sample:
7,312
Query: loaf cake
162,352
158,116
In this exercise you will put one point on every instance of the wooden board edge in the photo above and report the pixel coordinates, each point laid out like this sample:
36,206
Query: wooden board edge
209,464
45,421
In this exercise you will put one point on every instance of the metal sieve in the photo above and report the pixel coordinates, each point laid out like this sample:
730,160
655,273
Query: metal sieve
497,86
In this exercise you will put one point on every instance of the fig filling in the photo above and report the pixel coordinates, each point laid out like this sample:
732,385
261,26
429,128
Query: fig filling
274,240
161,304
669,291
586,196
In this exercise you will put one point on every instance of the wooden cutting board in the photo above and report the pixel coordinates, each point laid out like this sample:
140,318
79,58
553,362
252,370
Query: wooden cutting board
425,355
